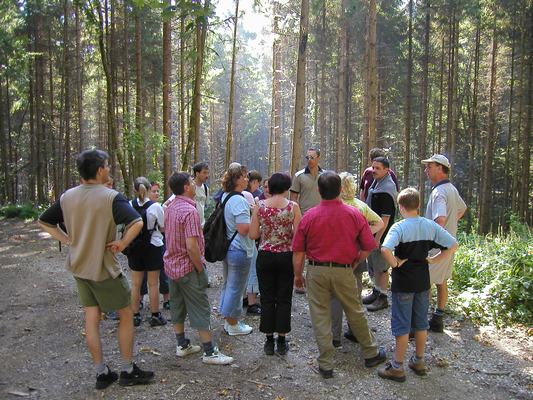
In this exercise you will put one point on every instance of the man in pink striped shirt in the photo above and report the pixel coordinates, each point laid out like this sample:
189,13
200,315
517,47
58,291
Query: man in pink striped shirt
185,268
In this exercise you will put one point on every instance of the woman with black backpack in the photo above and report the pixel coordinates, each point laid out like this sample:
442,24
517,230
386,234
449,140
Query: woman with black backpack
145,253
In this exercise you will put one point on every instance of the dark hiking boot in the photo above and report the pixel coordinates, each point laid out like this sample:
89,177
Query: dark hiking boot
376,360
104,380
157,320
269,347
325,373
137,319
282,347
380,303
350,336
254,309
337,344
436,323
370,298
419,367
389,372
135,377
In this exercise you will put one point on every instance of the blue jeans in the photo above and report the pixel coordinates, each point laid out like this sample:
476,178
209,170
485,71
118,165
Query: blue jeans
409,312
253,284
236,267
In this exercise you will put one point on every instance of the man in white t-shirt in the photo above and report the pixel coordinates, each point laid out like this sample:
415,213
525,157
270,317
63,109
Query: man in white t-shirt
445,207
201,174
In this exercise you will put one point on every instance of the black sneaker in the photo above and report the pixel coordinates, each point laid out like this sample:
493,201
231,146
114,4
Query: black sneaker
337,344
104,380
349,335
137,319
269,347
254,309
436,323
136,377
166,305
325,373
282,347
379,304
157,320
376,360
369,299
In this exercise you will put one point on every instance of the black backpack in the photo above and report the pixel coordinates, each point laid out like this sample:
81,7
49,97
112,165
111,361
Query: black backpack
216,240
143,238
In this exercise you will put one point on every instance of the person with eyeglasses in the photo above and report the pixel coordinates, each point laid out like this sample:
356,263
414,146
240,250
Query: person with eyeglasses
304,189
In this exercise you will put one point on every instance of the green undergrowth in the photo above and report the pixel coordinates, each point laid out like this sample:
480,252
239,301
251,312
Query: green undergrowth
493,278
26,211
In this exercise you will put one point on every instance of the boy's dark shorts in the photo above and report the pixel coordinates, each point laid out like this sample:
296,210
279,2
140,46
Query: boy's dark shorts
409,312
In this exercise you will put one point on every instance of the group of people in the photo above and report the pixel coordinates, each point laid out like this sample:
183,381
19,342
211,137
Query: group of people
309,234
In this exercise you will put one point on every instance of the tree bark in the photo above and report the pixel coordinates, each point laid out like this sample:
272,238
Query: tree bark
408,100
167,60
229,132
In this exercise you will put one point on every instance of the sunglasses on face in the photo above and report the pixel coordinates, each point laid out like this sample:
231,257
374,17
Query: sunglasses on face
310,157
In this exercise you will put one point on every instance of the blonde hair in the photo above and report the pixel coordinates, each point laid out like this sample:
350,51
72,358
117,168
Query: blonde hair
141,185
409,198
348,186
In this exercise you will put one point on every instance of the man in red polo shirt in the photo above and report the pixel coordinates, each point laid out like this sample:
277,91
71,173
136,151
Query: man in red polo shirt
335,238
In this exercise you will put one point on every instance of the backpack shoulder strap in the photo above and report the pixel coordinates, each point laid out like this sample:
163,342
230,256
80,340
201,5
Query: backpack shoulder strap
205,189
230,195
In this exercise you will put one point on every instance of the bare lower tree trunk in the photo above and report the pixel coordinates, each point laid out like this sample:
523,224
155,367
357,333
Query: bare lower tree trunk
167,60
229,133
372,79
424,104
408,100
299,106
342,89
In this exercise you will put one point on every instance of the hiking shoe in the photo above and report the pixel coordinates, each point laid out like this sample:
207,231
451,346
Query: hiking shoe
376,360
325,373
389,372
217,358
282,347
436,323
254,309
166,305
419,367
137,319
269,347
157,320
135,377
185,350
370,298
379,304
349,335
337,344
104,380
299,290
240,328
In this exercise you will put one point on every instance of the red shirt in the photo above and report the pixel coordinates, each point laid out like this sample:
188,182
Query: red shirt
182,221
333,232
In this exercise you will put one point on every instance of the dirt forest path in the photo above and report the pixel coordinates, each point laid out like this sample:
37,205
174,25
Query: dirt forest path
44,355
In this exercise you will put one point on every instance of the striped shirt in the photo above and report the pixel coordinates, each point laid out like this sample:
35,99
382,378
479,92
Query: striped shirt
182,221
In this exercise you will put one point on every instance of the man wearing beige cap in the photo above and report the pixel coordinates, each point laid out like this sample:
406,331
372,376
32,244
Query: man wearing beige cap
445,207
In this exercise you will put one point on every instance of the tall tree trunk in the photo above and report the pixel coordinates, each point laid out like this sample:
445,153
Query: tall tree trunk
408,100
79,81
372,80
194,122
66,113
182,85
4,140
486,181
506,191
342,130
299,104
167,60
424,104
438,142
39,106
139,114
274,160
229,132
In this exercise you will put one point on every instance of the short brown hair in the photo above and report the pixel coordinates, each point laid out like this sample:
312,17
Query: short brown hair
231,176
409,198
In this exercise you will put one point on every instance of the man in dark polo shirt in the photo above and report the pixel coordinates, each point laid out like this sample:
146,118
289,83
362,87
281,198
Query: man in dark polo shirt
91,212
304,189
335,238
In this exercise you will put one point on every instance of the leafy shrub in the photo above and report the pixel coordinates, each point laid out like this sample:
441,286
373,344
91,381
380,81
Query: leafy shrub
493,277
22,211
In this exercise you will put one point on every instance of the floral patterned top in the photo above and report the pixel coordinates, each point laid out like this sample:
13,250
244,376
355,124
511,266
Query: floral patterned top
276,227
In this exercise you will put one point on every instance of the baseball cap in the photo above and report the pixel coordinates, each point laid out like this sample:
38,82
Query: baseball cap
439,159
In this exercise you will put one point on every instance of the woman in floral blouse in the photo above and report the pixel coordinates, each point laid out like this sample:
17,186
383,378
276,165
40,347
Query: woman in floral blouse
275,221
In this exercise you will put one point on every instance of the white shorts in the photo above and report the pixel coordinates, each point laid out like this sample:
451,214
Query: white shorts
442,271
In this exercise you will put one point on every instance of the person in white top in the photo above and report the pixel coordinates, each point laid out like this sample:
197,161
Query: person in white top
201,175
145,253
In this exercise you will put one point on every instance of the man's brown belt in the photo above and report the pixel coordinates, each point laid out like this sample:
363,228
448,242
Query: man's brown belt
328,264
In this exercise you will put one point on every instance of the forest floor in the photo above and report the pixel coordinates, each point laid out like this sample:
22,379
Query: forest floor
44,355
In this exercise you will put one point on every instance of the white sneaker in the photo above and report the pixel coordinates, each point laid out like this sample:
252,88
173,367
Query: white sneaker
240,328
217,358
182,351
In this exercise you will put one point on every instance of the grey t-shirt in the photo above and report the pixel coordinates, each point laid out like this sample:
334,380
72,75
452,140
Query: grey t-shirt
306,185
445,201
